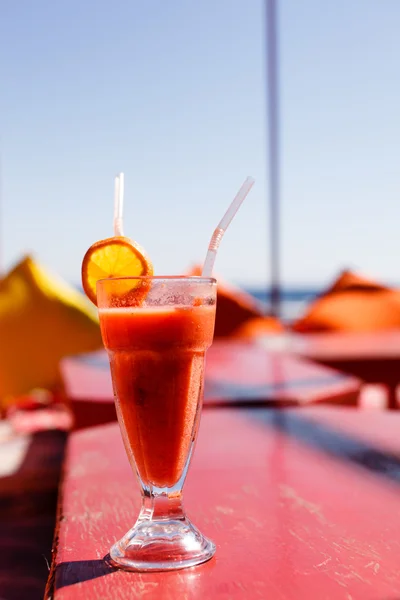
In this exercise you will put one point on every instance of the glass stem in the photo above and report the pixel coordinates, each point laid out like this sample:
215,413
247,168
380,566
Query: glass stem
162,506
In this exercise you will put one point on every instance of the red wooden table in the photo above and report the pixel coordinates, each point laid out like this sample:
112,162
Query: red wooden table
373,357
302,503
236,374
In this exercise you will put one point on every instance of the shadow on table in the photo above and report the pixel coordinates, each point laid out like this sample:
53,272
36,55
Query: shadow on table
28,502
332,441
80,571
279,393
68,573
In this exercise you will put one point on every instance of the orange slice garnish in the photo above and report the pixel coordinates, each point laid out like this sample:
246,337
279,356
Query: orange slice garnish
115,257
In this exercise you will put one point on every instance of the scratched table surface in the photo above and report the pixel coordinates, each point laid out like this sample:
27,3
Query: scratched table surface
374,357
301,503
236,374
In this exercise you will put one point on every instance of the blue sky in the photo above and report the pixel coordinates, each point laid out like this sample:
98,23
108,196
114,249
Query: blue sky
173,94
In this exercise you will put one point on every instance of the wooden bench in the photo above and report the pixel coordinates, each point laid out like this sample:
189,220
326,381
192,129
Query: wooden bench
30,469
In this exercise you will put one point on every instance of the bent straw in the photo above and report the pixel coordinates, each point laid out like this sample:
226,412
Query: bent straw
118,204
223,226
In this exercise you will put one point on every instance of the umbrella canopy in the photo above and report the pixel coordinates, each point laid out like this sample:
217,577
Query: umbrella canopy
234,307
42,319
352,303
258,327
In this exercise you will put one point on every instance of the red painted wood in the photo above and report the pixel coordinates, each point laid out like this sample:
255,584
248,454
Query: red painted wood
88,388
291,519
373,427
349,345
236,373
373,357
87,377
240,372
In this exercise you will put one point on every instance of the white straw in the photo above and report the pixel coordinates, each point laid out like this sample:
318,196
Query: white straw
118,204
223,226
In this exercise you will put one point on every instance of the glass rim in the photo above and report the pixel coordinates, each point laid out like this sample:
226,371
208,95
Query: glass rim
196,278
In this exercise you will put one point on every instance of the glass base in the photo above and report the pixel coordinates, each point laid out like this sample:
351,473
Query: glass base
161,546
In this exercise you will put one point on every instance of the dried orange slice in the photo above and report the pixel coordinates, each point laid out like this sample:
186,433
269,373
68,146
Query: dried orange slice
114,257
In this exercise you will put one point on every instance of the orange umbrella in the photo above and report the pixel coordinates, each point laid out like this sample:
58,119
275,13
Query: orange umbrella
352,303
235,307
256,327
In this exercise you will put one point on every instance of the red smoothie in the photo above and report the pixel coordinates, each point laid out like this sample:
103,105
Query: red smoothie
157,366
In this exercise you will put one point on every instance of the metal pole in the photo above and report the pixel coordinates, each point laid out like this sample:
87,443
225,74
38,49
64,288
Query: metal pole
273,152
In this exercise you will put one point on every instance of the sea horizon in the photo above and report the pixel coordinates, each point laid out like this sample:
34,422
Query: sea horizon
294,299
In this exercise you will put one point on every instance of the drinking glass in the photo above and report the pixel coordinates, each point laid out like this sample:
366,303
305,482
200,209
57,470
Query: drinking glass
156,331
